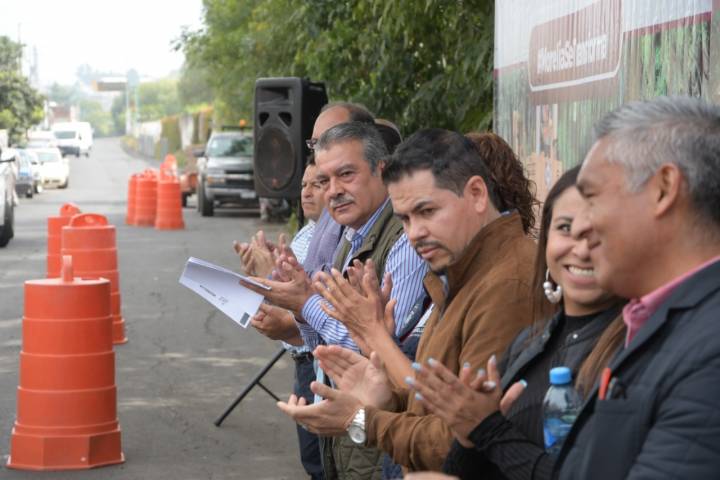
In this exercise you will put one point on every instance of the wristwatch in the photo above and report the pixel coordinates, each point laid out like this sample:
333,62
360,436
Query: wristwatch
356,429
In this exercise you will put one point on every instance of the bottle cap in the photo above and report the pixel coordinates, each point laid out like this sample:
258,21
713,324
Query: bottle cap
560,376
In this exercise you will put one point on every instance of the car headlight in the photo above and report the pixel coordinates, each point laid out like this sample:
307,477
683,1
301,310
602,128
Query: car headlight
215,176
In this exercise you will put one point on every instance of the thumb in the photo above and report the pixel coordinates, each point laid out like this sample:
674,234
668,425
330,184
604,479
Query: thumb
323,390
512,394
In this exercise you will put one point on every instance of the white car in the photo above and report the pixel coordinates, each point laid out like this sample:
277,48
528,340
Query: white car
55,169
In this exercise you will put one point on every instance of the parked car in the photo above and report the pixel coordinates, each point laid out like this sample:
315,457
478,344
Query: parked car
55,168
7,196
24,183
41,139
225,172
36,167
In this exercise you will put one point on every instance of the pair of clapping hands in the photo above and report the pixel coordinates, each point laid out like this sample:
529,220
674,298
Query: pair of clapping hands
259,256
461,402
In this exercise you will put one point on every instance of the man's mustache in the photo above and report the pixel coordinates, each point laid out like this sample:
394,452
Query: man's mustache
429,244
341,200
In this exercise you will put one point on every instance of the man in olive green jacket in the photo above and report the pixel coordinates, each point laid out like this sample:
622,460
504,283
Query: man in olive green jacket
480,289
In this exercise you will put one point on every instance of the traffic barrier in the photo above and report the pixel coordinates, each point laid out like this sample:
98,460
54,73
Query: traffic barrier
66,397
169,214
90,240
169,165
146,199
131,200
54,224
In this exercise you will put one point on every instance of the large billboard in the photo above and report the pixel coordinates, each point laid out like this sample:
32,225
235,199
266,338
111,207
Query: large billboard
562,64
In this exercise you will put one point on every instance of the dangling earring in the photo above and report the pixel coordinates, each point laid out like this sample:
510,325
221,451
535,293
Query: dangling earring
553,296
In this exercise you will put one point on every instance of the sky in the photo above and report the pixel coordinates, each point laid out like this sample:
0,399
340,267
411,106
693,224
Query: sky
107,35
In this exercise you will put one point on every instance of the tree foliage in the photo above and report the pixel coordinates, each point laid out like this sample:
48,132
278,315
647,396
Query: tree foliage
419,63
21,106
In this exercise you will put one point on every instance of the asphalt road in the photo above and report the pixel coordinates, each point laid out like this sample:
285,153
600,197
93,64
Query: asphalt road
184,362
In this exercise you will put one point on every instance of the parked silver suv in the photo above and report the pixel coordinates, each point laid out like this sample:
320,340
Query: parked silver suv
225,172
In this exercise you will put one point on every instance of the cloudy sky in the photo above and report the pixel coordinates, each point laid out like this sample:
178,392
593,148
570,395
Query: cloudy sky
107,35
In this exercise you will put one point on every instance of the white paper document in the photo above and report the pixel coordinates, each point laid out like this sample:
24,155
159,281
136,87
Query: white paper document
221,287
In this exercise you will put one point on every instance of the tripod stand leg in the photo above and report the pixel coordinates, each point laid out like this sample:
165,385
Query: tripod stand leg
250,386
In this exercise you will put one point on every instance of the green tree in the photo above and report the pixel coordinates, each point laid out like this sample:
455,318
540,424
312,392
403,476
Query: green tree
418,63
21,106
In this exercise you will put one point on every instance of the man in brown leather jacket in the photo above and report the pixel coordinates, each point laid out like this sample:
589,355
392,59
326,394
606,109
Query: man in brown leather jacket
481,261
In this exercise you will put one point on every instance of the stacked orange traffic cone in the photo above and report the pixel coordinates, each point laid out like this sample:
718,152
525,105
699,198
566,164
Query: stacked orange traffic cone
131,201
169,203
66,398
91,242
54,225
146,199
169,164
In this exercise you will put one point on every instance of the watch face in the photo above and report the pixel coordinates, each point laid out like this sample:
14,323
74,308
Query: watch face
356,434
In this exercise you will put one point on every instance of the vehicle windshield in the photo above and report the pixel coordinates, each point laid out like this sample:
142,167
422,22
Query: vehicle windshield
39,143
46,157
230,147
65,134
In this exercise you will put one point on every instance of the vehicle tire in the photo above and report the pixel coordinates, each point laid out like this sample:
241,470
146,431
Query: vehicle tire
66,184
205,205
29,193
7,231
183,198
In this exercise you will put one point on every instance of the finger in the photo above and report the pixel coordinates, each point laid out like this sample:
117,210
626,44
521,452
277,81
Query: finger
441,371
386,287
492,370
323,390
260,238
511,395
389,316
341,284
236,246
322,289
466,374
477,381
330,310
282,241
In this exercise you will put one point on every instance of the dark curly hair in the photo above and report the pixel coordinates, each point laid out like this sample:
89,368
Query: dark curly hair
514,189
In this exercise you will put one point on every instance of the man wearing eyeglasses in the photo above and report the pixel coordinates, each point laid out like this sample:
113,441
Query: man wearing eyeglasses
349,157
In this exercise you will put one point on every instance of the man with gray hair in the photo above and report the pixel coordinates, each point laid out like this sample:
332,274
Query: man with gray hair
651,183
349,157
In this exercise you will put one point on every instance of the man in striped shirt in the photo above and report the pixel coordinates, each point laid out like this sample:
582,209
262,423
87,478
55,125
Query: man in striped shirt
349,157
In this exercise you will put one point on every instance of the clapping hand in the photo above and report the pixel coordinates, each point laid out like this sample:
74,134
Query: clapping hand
462,402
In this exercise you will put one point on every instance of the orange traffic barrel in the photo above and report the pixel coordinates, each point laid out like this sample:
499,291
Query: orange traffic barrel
66,397
131,202
169,203
54,224
90,240
146,199
169,165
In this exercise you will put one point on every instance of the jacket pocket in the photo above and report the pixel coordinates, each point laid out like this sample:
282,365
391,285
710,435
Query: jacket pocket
614,439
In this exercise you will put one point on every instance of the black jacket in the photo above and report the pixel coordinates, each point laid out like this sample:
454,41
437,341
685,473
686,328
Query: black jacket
503,449
663,420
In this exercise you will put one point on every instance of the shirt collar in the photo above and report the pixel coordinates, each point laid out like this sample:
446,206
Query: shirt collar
353,236
639,310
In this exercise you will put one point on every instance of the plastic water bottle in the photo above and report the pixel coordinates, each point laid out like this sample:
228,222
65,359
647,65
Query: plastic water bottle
560,408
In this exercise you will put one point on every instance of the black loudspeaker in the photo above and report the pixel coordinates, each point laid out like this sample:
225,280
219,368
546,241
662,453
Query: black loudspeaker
285,112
